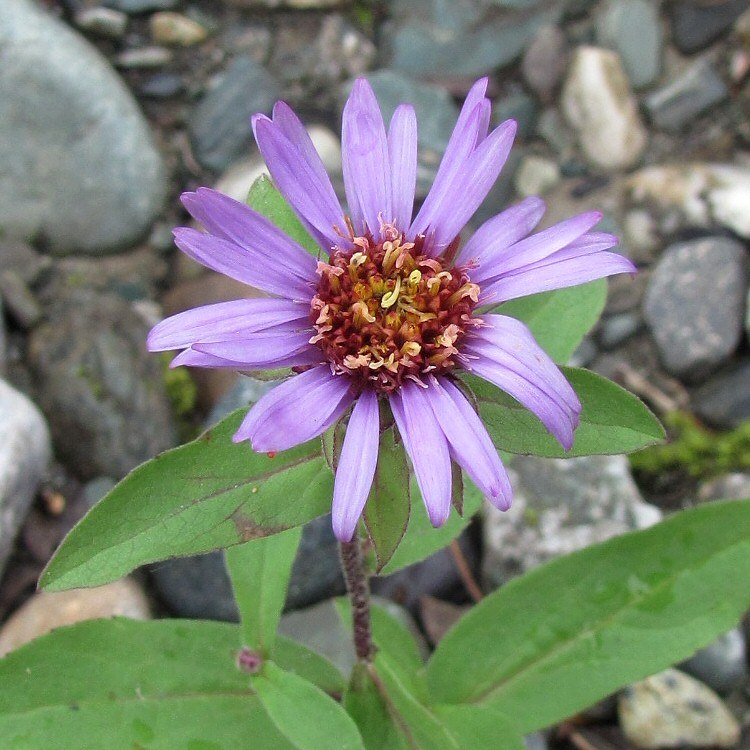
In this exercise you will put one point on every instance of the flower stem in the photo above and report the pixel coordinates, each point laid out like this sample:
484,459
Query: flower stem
359,596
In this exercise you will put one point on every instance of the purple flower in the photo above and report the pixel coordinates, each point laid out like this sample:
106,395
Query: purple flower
391,312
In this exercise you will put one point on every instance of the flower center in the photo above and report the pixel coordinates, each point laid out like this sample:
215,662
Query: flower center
386,311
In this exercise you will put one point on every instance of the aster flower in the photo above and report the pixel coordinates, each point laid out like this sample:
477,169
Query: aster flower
392,309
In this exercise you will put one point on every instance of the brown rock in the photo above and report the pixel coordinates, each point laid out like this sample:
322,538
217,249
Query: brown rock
46,611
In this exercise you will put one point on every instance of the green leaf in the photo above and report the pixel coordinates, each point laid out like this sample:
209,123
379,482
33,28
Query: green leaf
389,634
205,495
480,727
386,513
612,421
561,318
122,684
377,724
297,658
558,639
260,572
265,198
305,715
421,539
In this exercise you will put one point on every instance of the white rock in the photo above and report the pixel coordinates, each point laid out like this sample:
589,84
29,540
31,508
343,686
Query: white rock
536,176
671,709
598,103
24,454
560,506
240,176
47,610
698,195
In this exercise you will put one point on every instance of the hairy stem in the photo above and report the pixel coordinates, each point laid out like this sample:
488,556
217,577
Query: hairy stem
359,596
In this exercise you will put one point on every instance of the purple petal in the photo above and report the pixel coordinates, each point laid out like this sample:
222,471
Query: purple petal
298,410
259,348
468,187
365,160
231,220
535,248
531,389
502,231
299,177
242,264
356,468
556,274
513,339
303,357
470,445
455,158
402,149
224,320
427,448
291,126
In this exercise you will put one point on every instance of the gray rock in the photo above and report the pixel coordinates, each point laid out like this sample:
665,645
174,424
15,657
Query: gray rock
316,53
98,188
698,88
436,116
553,129
618,328
436,576
598,103
722,665
162,85
536,176
220,124
445,42
95,489
144,58
102,391
199,586
696,24
320,628
723,401
559,506
106,22
633,29
140,6
21,304
686,196
3,345
694,304
24,455
671,709
536,741
544,61
747,315
23,260
727,486
519,107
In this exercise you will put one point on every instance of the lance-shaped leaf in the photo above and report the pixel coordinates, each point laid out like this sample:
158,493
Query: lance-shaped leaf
421,539
612,420
265,198
304,714
571,632
387,510
123,684
205,495
561,318
260,571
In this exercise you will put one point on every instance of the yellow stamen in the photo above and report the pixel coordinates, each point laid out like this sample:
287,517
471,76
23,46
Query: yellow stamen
389,299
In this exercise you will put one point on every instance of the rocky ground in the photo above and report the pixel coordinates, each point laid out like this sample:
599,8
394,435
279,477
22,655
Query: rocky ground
109,110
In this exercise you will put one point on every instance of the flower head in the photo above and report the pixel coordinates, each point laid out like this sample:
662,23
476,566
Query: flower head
393,308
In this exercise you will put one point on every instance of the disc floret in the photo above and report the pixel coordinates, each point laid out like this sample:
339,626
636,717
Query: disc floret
386,311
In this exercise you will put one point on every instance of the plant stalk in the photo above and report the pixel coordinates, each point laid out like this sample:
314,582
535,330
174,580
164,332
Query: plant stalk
359,596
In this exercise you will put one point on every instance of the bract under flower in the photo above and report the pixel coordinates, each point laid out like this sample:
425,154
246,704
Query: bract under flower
392,309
